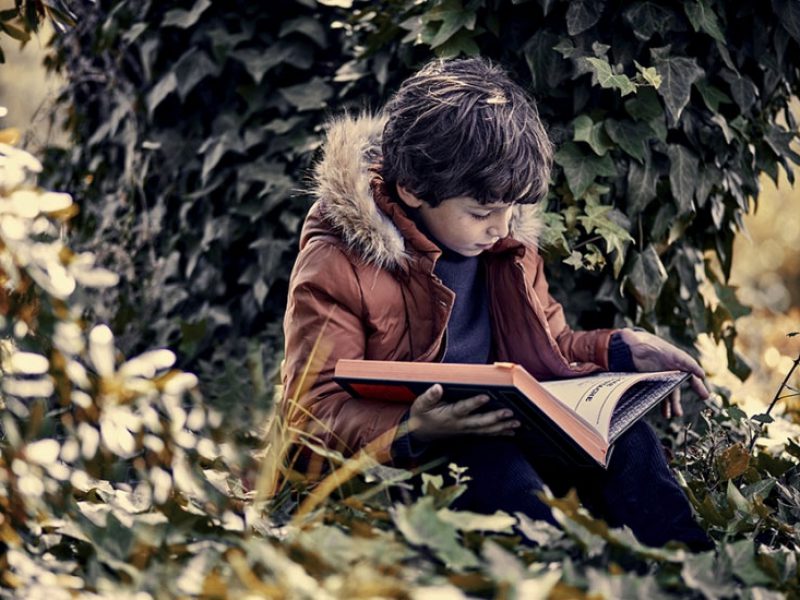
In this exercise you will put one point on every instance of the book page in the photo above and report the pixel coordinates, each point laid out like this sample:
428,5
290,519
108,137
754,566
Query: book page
594,397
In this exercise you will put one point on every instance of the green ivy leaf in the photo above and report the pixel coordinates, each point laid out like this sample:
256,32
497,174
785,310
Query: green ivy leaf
583,14
592,133
649,18
454,18
194,66
547,69
214,148
602,220
545,4
727,132
735,413
775,466
788,12
167,85
649,74
311,95
552,235
632,137
464,520
704,574
642,180
645,106
308,26
743,90
677,75
462,42
779,140
581,169
337,548
735,498
709,177
625,585
605,76
712,95
259,62
702,17
727,297
763,418
422,526
574,260
646,278
743,565
185,18
683,175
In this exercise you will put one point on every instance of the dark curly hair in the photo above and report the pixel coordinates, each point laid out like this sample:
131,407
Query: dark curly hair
463,128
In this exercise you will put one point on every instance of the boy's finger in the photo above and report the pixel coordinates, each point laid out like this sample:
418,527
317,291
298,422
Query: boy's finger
462,408
475,422
429,398
675,403
700,387
507,427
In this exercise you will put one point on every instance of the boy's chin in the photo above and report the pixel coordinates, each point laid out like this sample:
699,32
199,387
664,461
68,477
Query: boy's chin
469,252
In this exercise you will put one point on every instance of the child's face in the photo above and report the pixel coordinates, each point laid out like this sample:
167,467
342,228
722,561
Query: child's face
463,224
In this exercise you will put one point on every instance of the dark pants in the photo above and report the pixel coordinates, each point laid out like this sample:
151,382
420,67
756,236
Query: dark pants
637,489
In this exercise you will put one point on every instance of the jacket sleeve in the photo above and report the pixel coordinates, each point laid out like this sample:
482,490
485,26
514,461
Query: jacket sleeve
576,346
325,322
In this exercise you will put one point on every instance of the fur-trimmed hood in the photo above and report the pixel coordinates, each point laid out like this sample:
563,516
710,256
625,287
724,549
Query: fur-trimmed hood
342,185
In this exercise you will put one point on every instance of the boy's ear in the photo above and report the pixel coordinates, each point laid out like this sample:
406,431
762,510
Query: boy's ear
407,197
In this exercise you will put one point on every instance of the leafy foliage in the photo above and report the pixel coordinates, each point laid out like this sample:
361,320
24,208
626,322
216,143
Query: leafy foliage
191,132
194,125
117,481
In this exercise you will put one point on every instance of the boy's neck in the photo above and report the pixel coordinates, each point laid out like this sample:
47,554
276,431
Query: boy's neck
447,254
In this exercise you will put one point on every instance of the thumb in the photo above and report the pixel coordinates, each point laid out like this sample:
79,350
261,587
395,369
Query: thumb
429,398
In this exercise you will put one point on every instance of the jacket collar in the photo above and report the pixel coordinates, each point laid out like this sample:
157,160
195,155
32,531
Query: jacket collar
361,210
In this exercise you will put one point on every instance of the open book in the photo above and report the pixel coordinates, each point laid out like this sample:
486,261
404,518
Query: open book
584,414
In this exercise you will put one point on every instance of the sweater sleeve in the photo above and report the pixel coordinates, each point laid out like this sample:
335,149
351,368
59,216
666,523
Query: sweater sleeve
407,451
619,355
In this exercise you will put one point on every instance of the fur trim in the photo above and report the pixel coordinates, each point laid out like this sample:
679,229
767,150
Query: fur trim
342,185
526,224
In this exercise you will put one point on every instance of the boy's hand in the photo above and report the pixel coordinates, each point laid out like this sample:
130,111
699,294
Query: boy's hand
651,353
432,418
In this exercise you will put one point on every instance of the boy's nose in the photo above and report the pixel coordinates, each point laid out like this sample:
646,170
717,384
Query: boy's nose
499,229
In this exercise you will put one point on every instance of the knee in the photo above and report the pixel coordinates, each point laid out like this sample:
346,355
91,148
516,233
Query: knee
638,447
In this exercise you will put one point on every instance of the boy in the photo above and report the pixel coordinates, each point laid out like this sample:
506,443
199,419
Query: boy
422,247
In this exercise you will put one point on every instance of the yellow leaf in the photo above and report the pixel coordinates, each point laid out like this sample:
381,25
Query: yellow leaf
733,461
214,586
9,136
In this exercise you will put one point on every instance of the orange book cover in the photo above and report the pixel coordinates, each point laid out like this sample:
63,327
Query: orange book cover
585,414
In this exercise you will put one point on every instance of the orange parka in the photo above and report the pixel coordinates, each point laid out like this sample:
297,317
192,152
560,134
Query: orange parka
363,285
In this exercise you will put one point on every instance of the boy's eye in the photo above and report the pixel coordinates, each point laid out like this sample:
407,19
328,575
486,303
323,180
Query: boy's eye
481,217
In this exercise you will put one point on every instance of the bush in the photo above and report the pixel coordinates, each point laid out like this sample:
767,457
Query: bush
194,126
